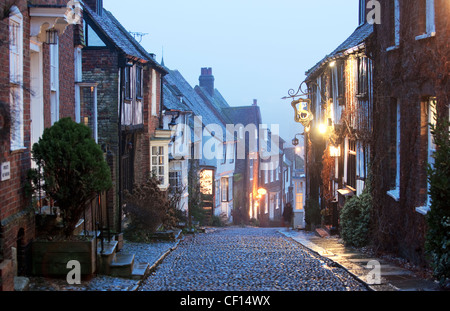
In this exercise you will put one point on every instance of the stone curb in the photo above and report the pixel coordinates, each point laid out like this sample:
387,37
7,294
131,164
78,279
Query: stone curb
323,253
156,264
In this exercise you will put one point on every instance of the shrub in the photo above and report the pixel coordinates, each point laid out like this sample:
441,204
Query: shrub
355,220
438,218
72,167
147,208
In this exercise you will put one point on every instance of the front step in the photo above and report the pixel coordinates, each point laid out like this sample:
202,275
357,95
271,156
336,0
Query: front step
140,270
122,265
106,256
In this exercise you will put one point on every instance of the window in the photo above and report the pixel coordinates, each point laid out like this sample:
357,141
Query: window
159,164
428,118
340,82
224,152
175,181
351,164
395,144
363,82
88,108
139,82
299,201
127,82
16,78
426,19
91,37
394,22
225,189
154,112
78,65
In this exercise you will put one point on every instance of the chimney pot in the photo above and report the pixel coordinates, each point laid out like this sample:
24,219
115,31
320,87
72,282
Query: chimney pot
255,102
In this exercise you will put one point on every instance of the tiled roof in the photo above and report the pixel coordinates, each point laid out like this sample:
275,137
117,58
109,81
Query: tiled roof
357,37
120,37
190,98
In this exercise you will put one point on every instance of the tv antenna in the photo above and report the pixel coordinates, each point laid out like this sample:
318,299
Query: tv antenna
138,35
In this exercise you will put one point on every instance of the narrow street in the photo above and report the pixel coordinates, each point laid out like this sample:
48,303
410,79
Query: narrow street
246,259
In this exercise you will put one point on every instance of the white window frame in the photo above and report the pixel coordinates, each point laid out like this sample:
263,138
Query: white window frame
430,30
395,193
54,81
78,59
164,178
397,18
17,140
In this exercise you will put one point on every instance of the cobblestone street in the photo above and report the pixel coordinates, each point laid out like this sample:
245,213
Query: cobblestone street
247,259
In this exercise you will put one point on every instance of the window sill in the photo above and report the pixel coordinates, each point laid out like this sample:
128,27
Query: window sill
423,210
395,194
18,150
426,36
392,48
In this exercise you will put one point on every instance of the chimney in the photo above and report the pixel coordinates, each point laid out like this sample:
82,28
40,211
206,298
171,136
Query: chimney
255,102
95,5
207,80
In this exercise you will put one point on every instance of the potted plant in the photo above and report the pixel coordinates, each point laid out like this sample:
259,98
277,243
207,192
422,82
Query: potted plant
73,171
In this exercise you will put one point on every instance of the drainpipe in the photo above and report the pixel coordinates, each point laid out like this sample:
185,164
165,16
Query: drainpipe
161,102
121,71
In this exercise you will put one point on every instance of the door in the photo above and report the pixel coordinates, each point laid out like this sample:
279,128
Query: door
207,190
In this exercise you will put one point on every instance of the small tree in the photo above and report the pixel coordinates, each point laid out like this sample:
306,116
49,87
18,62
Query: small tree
72,168
438,218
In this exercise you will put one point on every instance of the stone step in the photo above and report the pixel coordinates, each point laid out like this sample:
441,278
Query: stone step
122,265
140,270
322,233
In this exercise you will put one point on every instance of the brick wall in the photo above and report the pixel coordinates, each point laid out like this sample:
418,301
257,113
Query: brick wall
101,66
411,73
14,212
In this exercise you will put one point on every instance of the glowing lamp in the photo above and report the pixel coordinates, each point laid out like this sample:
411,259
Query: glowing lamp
335,152
262,191
322,129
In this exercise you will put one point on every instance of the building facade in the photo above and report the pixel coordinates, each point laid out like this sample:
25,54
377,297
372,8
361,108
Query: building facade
411,87
338,140
122,84
39,54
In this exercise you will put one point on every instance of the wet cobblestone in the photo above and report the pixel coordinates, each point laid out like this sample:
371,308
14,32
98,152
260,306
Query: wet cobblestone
247,259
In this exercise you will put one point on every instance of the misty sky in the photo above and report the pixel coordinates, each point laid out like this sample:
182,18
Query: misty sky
258,49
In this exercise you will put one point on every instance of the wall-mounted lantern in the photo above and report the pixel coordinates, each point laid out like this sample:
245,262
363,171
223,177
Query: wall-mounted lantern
52,36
